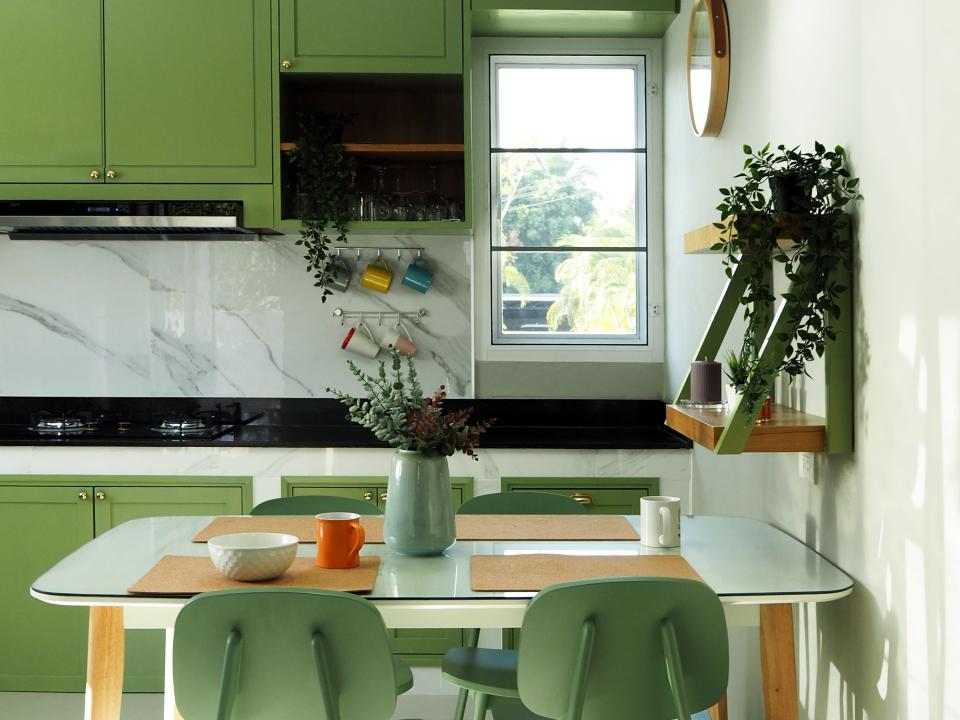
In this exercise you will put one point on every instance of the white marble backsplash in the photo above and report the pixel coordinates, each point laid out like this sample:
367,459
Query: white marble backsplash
227,319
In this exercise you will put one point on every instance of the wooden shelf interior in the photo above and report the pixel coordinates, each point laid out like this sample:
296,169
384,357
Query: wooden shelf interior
413,126
399,152
701,240
788,430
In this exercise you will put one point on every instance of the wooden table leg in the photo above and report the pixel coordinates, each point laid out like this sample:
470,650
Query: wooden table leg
104,664
719,711
778,662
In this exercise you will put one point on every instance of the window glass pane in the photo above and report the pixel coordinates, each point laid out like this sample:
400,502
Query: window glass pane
570,295
561,107
577,199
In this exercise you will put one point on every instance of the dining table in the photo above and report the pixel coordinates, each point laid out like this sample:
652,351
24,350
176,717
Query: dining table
759,572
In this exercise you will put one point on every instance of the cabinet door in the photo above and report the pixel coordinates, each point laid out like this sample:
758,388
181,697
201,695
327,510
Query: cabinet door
51,65
372,36
143,655
44,646
359,493
187,88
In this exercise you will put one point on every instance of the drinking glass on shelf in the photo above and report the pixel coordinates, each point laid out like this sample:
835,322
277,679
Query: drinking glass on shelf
435,206
381,201
401,205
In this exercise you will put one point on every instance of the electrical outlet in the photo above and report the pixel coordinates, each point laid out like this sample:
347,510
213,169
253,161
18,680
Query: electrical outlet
807,470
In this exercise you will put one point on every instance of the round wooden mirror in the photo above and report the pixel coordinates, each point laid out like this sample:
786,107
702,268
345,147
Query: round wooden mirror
708,66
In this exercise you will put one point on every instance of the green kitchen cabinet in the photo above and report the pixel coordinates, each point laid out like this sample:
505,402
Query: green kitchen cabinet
371,36
187,89
43,518
136,91
419,646
51,80
600,495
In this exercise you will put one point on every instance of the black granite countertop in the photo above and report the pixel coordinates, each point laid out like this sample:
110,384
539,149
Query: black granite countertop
319,423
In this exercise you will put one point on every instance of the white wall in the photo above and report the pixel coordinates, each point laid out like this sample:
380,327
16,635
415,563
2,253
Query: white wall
879,78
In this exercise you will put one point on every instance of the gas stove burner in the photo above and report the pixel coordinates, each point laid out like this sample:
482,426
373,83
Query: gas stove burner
182,426
62,424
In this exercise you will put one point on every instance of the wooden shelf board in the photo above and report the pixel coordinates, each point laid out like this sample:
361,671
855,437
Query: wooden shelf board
702,239
788,430
399,151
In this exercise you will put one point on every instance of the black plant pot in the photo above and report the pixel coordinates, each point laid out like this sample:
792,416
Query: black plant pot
787,194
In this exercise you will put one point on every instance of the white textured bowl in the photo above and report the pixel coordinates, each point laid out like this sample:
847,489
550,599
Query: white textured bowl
252,556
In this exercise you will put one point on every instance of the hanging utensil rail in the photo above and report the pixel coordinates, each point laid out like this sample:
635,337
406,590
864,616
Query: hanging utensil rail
414,315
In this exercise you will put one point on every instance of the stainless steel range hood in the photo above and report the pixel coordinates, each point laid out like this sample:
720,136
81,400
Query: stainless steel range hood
150,220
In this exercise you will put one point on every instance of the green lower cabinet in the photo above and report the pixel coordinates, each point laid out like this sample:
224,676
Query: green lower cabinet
59,514
601,496
419,646
39,526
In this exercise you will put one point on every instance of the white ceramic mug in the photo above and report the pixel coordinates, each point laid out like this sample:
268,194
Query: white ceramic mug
360,340
400,339
660,521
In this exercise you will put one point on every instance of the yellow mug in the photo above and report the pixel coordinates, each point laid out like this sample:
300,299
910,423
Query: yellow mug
377,276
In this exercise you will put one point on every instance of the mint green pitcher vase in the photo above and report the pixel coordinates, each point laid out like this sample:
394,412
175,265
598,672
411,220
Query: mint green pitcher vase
418,518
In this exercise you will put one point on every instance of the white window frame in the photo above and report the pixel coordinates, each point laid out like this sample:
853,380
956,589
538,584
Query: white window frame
486,350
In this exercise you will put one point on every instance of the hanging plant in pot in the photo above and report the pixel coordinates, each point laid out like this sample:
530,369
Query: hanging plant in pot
808,196
325,176
418,518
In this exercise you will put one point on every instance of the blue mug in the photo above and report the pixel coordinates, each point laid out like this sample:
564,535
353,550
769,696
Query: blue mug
418,275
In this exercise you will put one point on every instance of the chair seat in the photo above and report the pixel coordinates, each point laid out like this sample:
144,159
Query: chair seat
403,674
482,669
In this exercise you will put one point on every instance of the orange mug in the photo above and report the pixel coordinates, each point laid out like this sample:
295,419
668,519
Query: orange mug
339,539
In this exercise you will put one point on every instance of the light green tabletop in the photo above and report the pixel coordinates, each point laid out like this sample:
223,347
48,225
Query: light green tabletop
742,560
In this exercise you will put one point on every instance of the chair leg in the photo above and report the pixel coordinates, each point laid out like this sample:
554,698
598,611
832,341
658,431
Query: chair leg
480,707
461,704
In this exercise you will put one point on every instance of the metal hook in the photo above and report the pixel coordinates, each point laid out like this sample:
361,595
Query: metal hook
398,254
378,253
420,253
380,318
338,252
358,254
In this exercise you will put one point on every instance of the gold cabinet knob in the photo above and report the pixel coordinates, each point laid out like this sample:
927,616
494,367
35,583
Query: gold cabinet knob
582,499
368,496
101,495
286,64
94,174
111,174
383,497
82,495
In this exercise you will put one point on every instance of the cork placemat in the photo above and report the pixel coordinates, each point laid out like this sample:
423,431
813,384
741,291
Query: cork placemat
303,526
181,575
469,527
506,573
545,527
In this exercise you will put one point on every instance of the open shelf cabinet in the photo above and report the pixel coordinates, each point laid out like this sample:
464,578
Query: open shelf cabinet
735,430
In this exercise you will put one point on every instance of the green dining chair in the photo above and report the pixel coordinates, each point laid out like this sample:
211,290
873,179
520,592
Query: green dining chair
647,648
314,505
268,653
511,503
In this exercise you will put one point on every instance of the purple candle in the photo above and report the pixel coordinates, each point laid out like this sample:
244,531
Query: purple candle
705,381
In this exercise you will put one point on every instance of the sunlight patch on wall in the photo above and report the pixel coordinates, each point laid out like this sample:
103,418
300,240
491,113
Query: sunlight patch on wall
918,677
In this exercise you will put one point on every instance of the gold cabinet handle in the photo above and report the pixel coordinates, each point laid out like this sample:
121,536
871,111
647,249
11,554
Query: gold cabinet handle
82,495
286,64
94,174
582,499
383,497
368,496
111,174
101,495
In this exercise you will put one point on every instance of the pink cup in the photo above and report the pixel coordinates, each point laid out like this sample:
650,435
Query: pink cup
399,339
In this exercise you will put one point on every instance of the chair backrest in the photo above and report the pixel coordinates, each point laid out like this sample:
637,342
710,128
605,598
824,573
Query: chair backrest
282,653
651,648
521,503
314,505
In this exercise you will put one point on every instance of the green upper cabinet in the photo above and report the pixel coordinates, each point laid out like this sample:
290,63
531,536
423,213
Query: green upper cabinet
187,91
51,83
371,36
136,91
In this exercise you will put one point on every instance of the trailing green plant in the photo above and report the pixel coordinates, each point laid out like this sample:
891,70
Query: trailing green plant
397,412
751,226
325,173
